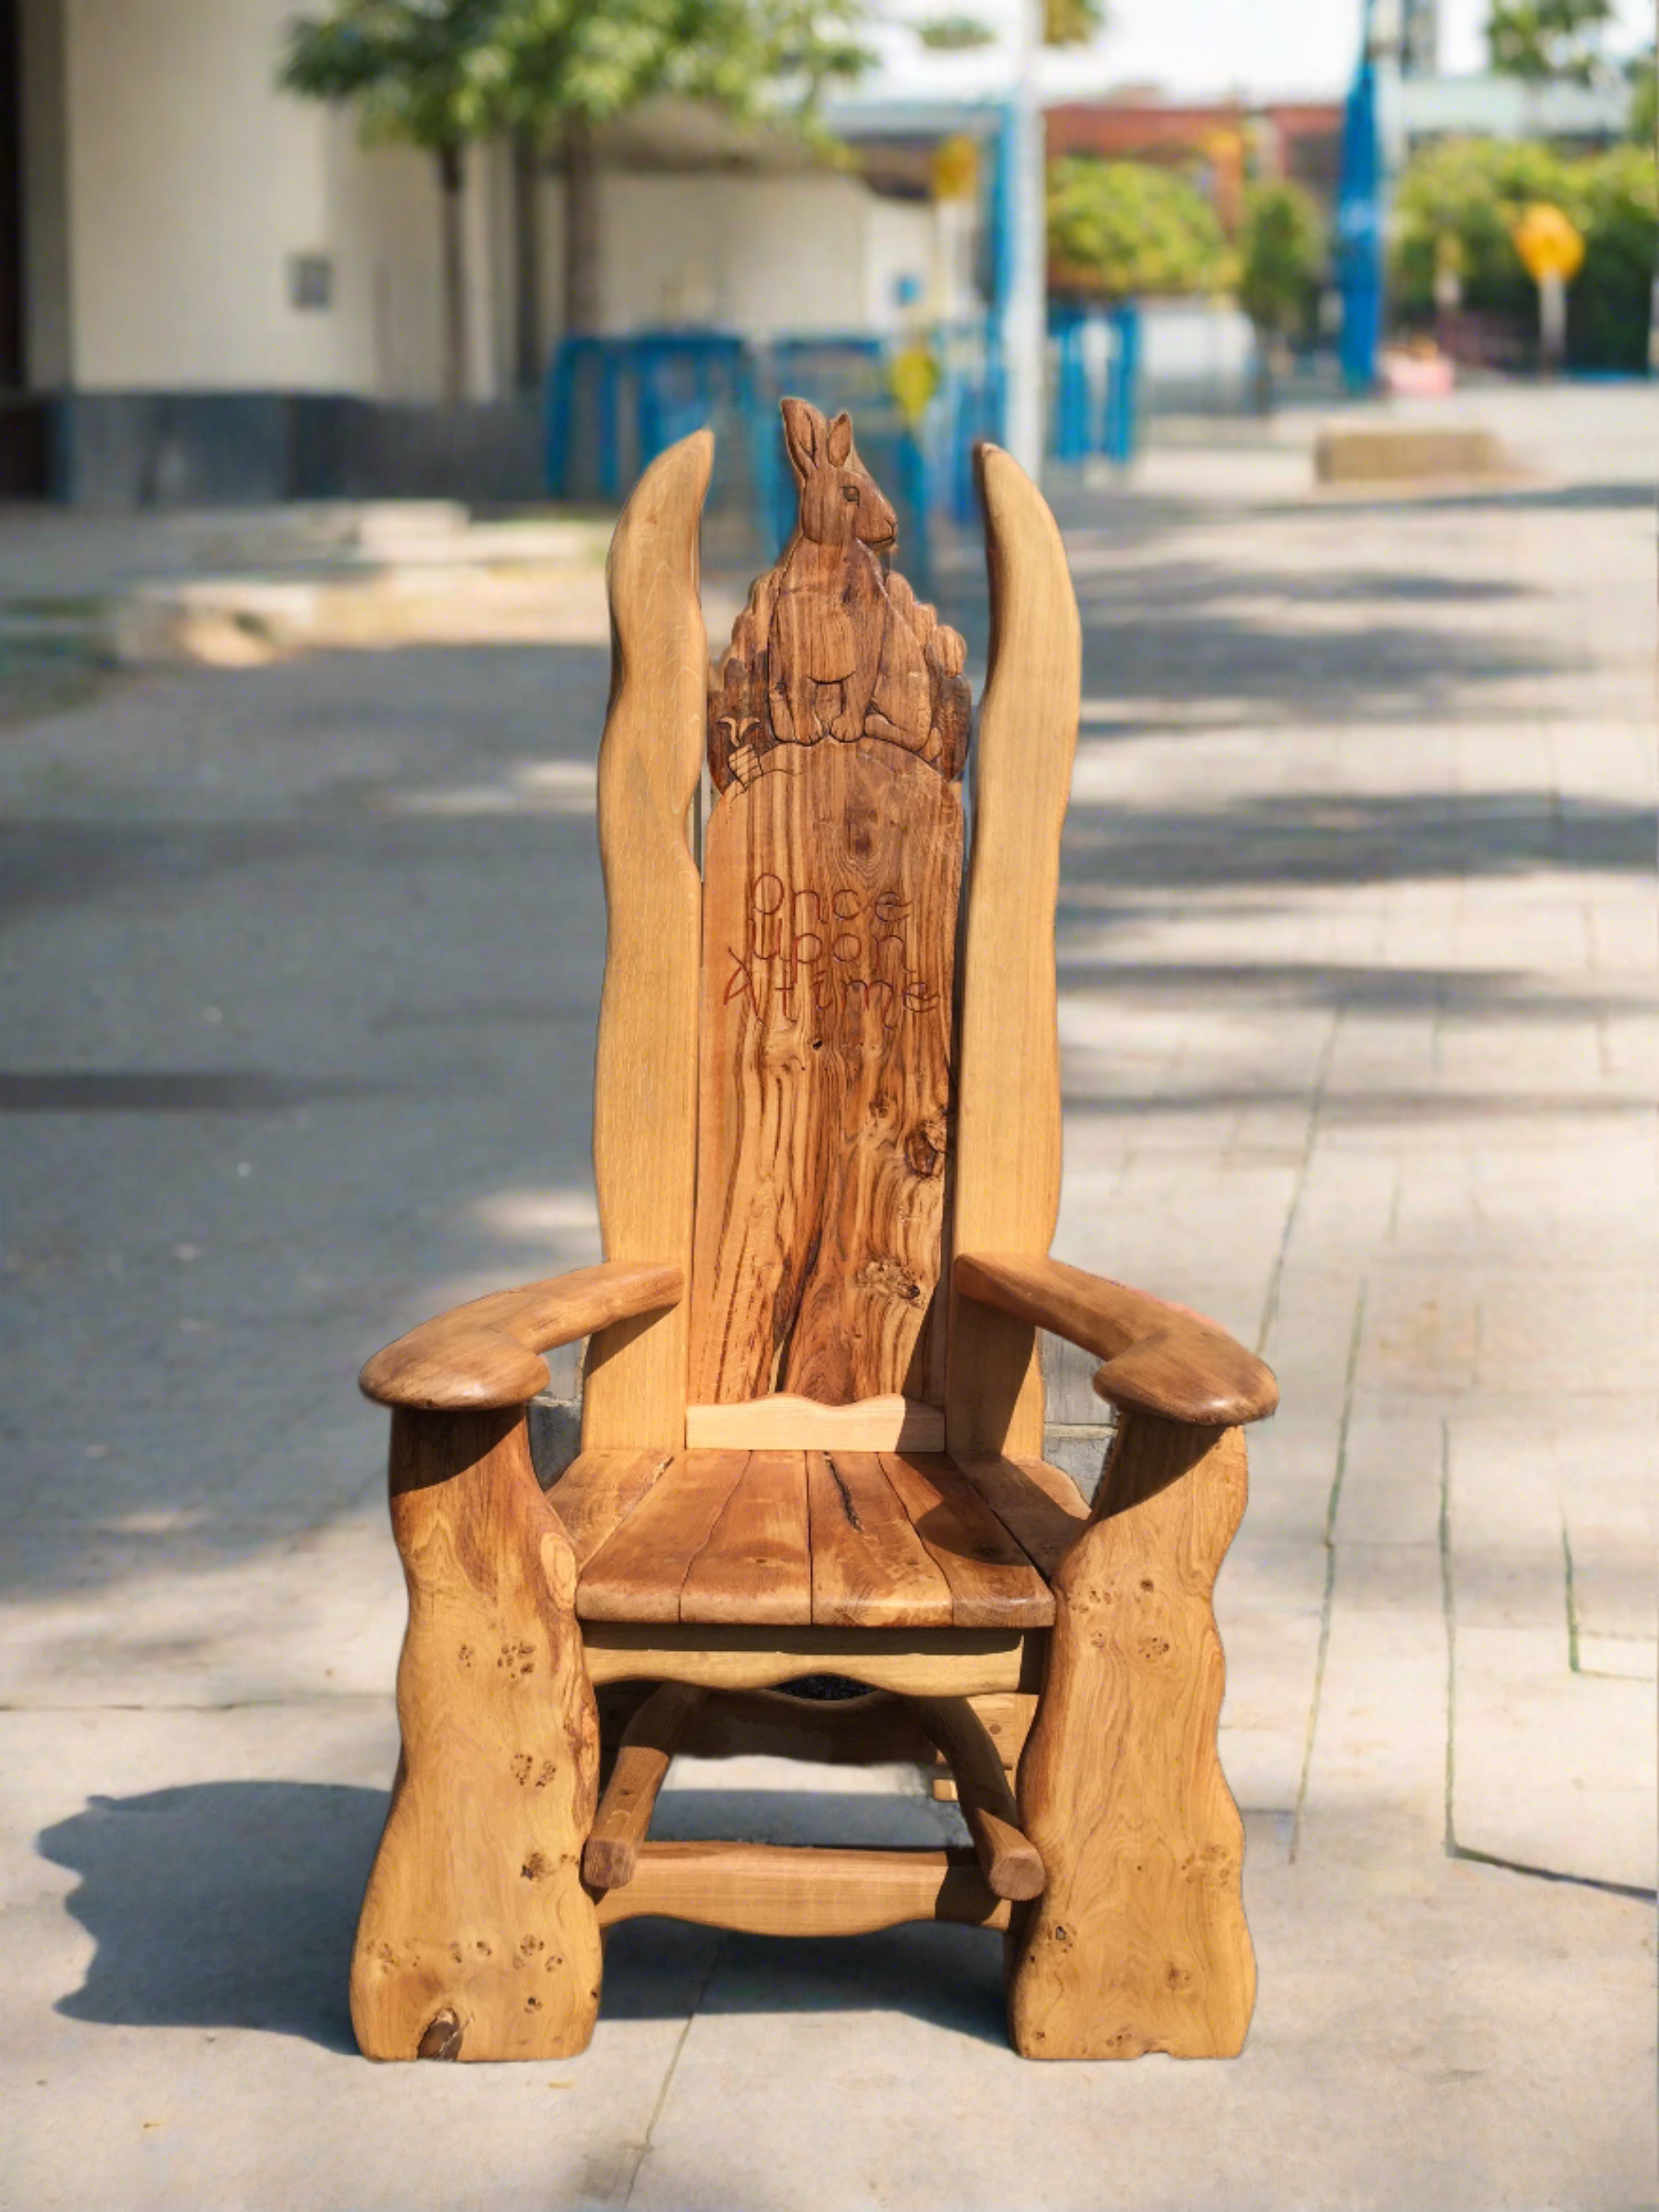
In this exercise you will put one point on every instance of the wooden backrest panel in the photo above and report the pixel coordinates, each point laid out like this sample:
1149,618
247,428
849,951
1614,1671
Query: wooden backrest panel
831,876
644,1095
1008,1132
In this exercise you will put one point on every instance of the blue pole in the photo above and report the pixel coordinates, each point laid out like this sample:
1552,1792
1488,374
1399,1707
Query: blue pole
1359,232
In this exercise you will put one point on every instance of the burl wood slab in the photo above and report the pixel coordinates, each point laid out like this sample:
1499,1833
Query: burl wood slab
832,872
1138,1941
477,1939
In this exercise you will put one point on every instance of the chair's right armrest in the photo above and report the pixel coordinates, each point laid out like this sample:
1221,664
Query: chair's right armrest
486,1355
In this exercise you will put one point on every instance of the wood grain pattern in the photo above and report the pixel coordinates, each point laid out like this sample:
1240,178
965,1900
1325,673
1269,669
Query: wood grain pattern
914,1662
639,1573
788,1423
1159,1358
830,890
1040,1505
754,1565
644,1095
598,1491
766,1889
1139,1943
1007,1154
613,1850
989,1577
870,1568
789,1539
484,1356
1010,1862
477,1940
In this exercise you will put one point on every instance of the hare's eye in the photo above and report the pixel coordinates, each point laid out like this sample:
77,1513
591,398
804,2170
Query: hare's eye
849,491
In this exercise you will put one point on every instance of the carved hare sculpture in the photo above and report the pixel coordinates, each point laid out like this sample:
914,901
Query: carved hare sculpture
828,645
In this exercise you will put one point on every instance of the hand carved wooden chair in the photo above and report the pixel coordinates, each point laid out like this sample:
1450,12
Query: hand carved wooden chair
827,1149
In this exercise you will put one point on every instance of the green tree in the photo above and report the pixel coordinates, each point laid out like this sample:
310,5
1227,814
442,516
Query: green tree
1072,22
441,74
1119,229
1542,39
1610,299
1641,124
1474,190
1281,256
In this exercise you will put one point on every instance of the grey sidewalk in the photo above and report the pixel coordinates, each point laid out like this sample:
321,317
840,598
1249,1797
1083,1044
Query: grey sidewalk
1357,955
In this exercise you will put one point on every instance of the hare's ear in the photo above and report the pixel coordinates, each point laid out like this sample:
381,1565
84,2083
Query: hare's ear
840,440
803,434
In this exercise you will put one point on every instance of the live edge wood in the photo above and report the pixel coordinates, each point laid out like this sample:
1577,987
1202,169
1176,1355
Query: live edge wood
485,1356
645,1076
476,1938
613,1850
1139,1943
1007,1156
1159,1357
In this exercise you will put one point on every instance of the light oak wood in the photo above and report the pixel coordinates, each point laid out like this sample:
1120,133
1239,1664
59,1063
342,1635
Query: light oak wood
477,1939
830,889
791,1539
1040,1505
1159,1358
765,1889
598,1491
1010,1863
1139,1943
613,1850
485,1356
645,1094
913,1663
789,1424
1008,1153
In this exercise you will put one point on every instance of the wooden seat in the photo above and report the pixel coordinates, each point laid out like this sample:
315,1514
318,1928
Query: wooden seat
827,1152
793,1539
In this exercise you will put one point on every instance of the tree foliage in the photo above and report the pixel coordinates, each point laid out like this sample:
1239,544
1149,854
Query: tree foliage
1072,22
1539,40
1123,228
1282,255
1473,191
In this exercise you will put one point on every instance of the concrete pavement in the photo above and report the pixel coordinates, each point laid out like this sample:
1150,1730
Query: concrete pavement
1358,954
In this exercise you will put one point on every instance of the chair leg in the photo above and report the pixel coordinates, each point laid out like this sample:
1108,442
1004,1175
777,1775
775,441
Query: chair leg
477,1939
1138,1941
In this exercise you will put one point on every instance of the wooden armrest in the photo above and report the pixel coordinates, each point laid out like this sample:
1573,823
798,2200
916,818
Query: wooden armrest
1159,1357
487,1354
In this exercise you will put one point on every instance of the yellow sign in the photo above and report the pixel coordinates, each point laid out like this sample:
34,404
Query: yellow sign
913,380
1548,244
954,169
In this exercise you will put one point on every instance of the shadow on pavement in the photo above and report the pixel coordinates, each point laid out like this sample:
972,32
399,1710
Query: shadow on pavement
233,1904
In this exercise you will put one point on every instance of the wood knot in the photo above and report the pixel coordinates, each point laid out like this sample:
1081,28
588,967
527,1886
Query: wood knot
442,2039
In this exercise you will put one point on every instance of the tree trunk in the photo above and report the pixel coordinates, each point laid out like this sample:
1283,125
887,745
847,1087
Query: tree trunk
527,264
454,276
1262,380
581,228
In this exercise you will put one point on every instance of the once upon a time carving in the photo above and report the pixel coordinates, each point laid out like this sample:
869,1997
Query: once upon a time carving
831,645
816,950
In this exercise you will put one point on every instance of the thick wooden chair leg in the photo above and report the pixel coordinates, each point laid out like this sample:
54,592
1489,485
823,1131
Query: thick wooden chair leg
476,1938
1138,1941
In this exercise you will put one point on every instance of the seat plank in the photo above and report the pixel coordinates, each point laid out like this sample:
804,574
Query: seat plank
1040,1505
870,1569
992,1583
756,1562
598,1491
639,1573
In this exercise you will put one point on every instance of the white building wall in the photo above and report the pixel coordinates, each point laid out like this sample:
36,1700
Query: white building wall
762,254
193,180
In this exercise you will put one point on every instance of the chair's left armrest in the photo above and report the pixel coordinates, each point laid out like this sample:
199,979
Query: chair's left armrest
1159,1357
487,1355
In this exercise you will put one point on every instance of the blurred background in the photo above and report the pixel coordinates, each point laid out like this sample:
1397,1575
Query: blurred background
498,253
332,334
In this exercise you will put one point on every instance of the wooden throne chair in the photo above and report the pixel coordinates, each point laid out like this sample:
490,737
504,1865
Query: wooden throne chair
827,1148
